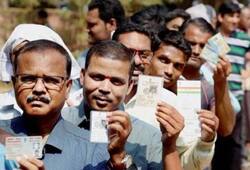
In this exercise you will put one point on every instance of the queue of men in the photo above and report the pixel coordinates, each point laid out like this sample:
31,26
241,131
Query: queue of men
156,41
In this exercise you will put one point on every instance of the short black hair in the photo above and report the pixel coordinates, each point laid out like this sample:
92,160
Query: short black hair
151,18
130,26
201,23
175,14
228,8
112,50
108,9
176,39
41,45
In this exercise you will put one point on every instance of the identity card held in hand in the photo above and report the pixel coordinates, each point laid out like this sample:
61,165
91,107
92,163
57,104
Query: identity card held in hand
23,145
148,91
189,102
216,46
148,95
98,127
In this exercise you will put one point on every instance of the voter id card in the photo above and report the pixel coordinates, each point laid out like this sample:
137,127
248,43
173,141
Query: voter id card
98,127
23,145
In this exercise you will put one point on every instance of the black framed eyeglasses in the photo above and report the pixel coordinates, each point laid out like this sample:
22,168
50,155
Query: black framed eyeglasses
145,55
50,82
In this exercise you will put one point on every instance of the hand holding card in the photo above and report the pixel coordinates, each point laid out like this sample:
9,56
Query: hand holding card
24,145
215,47
98,127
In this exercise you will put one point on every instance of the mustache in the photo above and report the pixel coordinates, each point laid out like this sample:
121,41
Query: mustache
44,99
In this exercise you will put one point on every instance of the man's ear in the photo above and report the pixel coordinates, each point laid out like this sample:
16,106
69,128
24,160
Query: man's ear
82,75
68,87
130,86
220,18
111,24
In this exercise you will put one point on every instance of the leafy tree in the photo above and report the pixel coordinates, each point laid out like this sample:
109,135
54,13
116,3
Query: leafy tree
24,3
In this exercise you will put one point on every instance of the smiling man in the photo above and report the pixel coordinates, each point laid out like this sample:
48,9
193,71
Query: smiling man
107,79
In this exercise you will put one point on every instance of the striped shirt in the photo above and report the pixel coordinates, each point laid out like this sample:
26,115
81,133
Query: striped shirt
239,43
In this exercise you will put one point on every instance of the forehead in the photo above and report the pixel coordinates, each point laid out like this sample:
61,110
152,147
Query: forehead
109,67
245,12
174,54
195,34
135,40
93,15
49,62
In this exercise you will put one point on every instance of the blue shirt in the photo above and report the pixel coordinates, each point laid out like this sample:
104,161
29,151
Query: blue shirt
67,147
6,164
143,144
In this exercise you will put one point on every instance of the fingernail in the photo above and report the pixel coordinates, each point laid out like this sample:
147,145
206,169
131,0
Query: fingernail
109,114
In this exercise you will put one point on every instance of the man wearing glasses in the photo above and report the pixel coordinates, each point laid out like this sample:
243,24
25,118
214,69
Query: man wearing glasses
137,39
41,83
168,61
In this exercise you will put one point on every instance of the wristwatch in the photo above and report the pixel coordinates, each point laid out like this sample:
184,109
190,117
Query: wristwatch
126,163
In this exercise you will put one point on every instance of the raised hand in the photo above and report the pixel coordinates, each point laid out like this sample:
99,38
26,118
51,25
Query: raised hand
171,122
119,128
209,125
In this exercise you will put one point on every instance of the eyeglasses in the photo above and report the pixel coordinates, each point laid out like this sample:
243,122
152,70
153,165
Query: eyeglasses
145,55
50,82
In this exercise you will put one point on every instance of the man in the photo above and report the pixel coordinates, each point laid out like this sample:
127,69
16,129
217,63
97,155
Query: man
103,17
197,32
244,23
139,41
24,33
168,62
41,90
239,42
107,80
135,37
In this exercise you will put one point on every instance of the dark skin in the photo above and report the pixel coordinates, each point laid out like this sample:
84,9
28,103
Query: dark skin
43,114
223,107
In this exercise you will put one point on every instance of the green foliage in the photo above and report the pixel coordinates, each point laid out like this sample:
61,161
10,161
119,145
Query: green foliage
77,5
24,3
